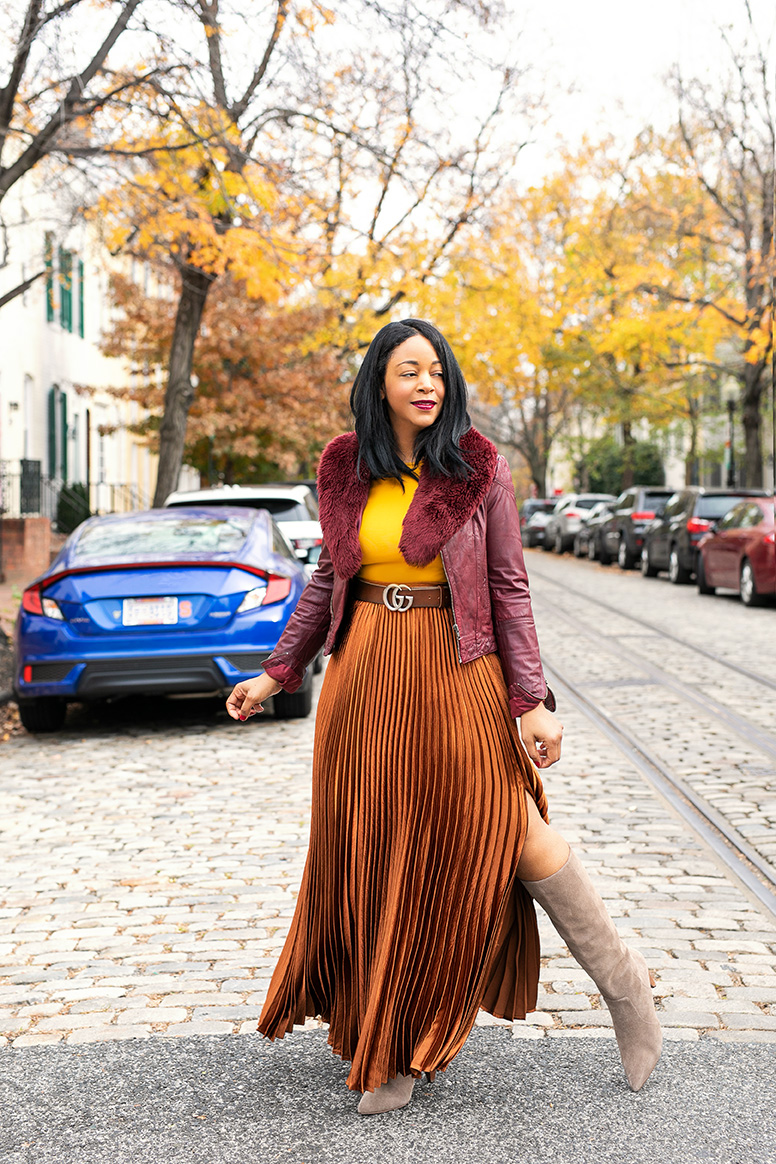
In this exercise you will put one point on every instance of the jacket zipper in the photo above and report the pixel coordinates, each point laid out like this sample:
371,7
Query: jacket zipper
452,603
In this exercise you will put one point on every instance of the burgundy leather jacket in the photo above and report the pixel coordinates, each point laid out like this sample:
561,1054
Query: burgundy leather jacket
473,524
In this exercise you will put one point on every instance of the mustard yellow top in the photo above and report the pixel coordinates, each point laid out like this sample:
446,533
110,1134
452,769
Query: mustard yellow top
382,561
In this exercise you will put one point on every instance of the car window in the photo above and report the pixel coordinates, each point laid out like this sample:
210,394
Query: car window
281,546
625,500
656,501
675,504
586,503
732,519
716,505
163,538
311,506
752,515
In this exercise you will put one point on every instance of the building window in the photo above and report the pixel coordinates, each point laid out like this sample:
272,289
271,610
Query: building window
65,289
57,434
48,253
81,298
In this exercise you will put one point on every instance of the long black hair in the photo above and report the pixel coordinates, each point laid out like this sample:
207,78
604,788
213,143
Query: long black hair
438,445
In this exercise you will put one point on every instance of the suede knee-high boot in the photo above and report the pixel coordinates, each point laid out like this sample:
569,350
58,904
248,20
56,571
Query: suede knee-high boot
390,1096
579,915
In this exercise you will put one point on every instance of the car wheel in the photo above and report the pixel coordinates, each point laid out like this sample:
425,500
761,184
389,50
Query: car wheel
676,571
591,554
296,706
647,569
624,559
318,663
528,540
558,543
703,586
45,714
578,551
749,595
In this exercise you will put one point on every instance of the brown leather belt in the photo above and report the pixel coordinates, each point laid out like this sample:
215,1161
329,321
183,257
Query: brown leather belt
396,596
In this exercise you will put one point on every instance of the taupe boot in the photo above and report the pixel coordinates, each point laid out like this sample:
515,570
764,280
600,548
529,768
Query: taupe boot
389,1096
579,915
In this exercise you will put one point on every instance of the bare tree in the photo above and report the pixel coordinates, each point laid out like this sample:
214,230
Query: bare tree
729,133
349,126
51,102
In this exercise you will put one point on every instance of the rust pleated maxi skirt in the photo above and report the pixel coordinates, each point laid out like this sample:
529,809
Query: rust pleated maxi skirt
410,916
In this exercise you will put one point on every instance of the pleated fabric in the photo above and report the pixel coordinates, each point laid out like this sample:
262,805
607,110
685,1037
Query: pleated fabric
410,916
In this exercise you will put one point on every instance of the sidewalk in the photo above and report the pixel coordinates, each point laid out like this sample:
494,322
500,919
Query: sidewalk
241,1100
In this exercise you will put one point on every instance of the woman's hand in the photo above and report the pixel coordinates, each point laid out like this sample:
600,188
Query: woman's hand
248,696
542,734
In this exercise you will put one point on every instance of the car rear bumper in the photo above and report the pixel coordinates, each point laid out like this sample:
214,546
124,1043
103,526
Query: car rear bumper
150,675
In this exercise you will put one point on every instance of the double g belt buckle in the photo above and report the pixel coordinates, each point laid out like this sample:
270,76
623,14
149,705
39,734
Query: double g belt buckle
398,597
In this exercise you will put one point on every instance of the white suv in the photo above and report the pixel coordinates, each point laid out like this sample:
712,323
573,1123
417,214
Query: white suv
293,507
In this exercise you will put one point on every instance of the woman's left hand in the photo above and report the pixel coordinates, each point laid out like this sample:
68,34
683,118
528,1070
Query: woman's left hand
542,734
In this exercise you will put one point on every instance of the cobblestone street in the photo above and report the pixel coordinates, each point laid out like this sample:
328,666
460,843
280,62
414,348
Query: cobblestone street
151,853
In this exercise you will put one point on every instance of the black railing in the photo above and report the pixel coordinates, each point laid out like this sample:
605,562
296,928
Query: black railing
27,492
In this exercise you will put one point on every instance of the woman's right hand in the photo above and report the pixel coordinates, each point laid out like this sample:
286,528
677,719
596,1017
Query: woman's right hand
248,696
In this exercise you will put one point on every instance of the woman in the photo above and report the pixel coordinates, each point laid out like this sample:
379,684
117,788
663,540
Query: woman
429,834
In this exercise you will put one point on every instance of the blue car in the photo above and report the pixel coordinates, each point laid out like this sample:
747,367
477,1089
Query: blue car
163,602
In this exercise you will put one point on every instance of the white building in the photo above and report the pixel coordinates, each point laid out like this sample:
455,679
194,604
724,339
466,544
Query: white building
53,432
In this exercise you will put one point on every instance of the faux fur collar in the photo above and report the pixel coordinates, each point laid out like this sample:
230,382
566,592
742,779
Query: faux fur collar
440,507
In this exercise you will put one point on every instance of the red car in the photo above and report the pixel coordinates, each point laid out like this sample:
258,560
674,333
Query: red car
740,553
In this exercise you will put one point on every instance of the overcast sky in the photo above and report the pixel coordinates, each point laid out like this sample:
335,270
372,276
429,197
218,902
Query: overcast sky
617,52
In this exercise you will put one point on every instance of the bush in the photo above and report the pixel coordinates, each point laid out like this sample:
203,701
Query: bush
72,507
605,463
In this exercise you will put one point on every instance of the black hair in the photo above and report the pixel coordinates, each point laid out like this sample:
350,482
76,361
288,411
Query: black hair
438,445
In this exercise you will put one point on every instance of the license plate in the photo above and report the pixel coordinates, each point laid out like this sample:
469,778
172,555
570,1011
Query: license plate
149,611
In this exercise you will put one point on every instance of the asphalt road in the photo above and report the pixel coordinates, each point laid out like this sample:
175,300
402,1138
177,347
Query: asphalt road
238,1099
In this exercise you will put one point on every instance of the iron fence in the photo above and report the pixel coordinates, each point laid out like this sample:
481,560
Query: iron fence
25,491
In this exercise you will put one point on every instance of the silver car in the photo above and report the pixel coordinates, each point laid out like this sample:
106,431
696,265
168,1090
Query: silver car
567,517
293,507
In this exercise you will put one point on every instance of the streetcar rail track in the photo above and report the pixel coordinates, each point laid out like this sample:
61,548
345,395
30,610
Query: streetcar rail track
747,865
742,727
755,676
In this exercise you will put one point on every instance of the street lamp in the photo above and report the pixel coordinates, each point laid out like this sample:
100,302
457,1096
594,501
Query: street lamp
731,390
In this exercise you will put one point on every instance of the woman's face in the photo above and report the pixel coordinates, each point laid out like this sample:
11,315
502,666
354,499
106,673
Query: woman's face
414,388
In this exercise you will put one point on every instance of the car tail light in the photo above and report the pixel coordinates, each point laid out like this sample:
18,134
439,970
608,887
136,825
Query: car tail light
643,515
572,513
31,601
770,538
697,525
34,603
27,673
275,590
252,599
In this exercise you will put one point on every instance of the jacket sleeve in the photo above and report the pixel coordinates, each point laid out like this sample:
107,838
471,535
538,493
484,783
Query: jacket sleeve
306,629
510,600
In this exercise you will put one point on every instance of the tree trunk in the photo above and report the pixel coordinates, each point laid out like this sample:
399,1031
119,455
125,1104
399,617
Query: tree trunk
752,474
627,454
179,395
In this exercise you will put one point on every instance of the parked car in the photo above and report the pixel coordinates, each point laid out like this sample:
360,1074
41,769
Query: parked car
622,535
740,554
533,532
671,541
586,543
163,602
567,517
533,505
293,506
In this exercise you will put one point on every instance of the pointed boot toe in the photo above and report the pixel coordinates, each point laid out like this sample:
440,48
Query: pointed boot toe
636,1025
388,1096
